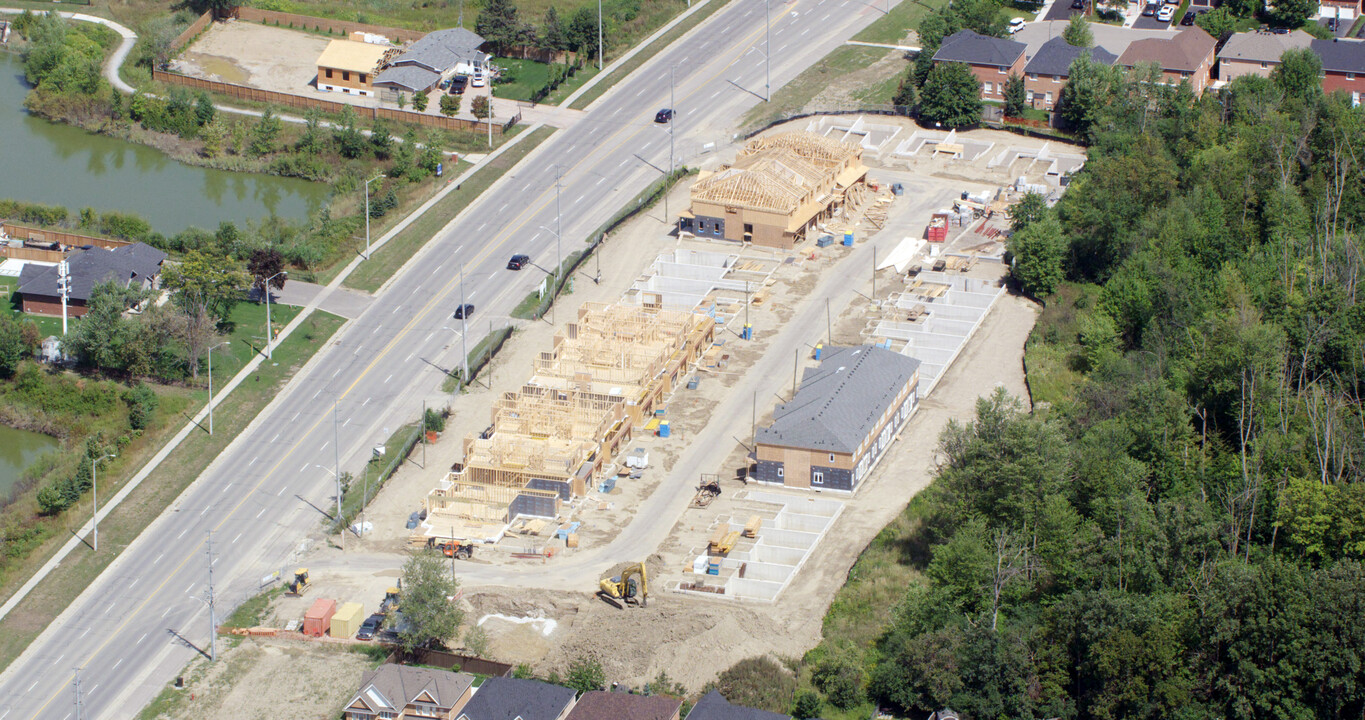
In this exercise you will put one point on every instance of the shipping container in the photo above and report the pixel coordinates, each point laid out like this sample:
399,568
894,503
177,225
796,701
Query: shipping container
319,617
346,621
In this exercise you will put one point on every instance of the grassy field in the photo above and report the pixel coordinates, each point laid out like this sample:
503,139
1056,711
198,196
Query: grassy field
385,262
1053,354
527,76
150,499
46,325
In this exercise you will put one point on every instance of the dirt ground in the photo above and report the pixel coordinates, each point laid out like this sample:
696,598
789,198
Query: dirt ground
261,56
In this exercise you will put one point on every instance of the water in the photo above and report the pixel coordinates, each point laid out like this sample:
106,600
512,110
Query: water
18,449
56,164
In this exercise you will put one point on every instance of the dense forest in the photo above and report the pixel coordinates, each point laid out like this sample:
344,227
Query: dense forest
1176,528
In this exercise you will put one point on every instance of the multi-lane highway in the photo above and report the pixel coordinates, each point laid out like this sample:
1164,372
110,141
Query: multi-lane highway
136,626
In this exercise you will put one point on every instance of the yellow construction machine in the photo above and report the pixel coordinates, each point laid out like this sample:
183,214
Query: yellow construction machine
301,584
630,587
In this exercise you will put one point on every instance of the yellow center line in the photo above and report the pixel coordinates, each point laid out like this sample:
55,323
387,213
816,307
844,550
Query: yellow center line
438,299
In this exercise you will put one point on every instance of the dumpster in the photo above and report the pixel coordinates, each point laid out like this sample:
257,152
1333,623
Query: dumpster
346,621
318,619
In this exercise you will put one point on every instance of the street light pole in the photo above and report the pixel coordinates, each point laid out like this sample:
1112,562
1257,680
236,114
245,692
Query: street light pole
672,129
599,35
768,51
215,347
269,331
336,459
490,110
367,214
213,616
464,333
94,496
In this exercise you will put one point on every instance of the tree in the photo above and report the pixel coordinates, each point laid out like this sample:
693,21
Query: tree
498,23
1016,97
99,340
806,705
582,33
402,101
450,105
350,141
904,99
1293,13
481,108
265,132
420,101
553,35
476,640
213,135
1030,209
585,674
1077,32
1299,74
266,263
205,289
204,111
1218,22
11,345
951,96
430,614
142,402
1039,251
841,680
381,141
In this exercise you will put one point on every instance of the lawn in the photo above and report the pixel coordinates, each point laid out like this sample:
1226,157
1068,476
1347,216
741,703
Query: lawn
522,78
46,325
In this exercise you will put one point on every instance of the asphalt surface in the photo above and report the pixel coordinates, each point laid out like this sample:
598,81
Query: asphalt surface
137,625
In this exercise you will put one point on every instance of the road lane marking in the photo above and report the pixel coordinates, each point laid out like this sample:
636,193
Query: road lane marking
291,422
348,422
461,247
115,667
234,540
258,457
387,379
205,510
259,514
82,637
182,533
599,180
108,607
139,640
191,587
158,558
277,437
324,446
409,357
305,467
367,402
30,687
225,488
164,614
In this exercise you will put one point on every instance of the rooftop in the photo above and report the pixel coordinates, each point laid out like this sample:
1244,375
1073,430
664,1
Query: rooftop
441,50
352,55
977,49
511,698
127,265
391,687
1262,46
714,706
840,402
1056,56
1185,51
1341,55
602,705
778,172
408,77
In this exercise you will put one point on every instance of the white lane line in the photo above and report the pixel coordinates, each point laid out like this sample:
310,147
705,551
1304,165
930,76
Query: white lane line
163,615
259,514
305,467
803,32
59,658
281,492
296,418
133,584
600,180
348,422
367,402
158,558
324,445
204,511
182,533
623,162
472,294
714,94
30,687
91,691
462,247
139,640
82,637
258,457
387,379
396,308
642,91
334,374
481,227
120,662
647,144
438,267
191,587
234,540
409,357
108,607
316,394
225,488
277,437
428,338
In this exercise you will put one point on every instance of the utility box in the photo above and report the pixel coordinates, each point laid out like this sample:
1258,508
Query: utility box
346,621
318,619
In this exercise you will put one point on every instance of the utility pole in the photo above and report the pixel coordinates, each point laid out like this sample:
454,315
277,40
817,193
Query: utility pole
367,214
213,615
599,35
753,425
462,13
796,370
215,347
874,272
464,333
490,111
336,460
672,125
768,52
829,326
424,434
94,496
559,246
64,285
269,331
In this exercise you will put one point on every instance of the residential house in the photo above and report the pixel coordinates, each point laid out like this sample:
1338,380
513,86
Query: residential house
399,692
714,706
602,705
779,187
349,67
992,60
842,420
1187,55
436,57
1048,70
514,699
136,266
1343,66
1257,53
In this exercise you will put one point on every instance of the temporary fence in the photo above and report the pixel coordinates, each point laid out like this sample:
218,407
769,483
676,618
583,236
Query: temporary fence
363,489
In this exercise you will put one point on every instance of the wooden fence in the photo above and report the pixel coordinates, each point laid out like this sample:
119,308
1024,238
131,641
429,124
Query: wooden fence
191,32
25,232
338,27
25,253
453,661
301,102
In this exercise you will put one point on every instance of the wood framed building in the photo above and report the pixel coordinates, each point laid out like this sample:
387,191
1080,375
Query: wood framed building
779,187
843,418
350,67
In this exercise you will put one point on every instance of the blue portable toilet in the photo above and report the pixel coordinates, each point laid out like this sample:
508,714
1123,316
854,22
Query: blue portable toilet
848,239
748,333
664,429
819,350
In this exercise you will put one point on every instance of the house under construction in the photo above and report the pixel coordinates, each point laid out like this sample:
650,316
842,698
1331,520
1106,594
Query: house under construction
552,438
779,187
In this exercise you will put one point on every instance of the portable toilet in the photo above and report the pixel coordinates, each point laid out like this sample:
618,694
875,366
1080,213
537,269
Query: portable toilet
819,350
346,621
664,429
848,239
318,619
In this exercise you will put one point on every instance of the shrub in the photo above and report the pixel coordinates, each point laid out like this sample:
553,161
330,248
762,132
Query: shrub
142,402
758,682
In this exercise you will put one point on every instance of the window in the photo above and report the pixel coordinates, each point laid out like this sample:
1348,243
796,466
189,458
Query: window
831,457
1033,76
329,72
817,479
1048,98
749,228
1264,64
1001,70
362,78
1350,76
988,89
779,471
1055,79
346,75
1028,95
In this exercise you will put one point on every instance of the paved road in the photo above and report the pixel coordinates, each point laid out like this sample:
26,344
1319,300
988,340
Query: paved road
137,625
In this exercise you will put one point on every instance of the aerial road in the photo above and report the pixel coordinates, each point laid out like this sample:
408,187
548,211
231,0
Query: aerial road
134,628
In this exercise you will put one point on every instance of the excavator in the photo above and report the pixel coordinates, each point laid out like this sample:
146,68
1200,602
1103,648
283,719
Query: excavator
301,584
630,587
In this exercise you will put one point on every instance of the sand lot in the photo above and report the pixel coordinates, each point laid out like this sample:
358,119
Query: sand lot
261,56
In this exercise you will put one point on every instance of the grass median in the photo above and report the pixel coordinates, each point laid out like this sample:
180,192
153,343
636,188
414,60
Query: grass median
386,261
122,525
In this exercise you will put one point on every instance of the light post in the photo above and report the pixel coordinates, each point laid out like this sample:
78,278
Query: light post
269,331
367,216
215,347
599,34
94,495
672,127
490,110
464,335
768,51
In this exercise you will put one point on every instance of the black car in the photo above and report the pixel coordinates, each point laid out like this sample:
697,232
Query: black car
1148,10
1188,18
370,627
1078,4
464,311
664,115
518,262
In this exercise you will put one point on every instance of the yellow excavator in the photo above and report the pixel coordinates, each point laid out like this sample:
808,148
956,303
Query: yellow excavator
630,587
301,584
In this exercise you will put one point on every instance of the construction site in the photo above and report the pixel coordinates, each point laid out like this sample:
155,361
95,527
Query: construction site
627,431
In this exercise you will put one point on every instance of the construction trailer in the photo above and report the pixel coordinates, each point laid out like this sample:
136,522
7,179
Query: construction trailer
318,620
346,621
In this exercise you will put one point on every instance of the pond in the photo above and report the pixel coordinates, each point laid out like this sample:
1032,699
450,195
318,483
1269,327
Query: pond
57,164
18,449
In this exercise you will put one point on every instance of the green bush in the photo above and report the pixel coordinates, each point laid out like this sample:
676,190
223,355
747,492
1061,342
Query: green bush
142,402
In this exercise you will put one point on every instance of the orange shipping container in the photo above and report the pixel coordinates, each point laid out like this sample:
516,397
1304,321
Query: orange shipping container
318,620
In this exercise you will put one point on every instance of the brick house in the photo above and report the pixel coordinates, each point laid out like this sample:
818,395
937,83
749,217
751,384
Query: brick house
1257,53
503,698
841,421
1048,70
136,265
602,705
992,60
1343,66
349,67
399,692
1188,55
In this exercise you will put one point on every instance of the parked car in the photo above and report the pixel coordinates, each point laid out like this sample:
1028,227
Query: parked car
1148,10
664,115
518,262
1078,5
1165,13
370,627
464,311
1016,24
1188,18
478,80
458,84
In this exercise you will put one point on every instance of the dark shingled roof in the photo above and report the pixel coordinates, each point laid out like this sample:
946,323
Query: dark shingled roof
510,698
1183,51
442,49
407,77
391,687
602,705
977,49
713,706
1055,58
1341,55
128,265
840,402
